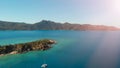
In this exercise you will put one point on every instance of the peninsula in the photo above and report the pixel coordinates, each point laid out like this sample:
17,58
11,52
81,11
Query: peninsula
26,47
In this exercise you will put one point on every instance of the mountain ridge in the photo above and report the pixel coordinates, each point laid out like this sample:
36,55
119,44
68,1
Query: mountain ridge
51,25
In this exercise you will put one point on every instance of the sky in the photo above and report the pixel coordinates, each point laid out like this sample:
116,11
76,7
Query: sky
98,12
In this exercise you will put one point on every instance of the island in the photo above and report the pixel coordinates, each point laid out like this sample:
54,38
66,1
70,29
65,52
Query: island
26,47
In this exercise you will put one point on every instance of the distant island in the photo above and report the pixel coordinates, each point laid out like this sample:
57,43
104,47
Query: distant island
26,47
51,25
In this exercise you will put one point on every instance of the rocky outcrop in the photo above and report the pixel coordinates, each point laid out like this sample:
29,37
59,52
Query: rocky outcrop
26,47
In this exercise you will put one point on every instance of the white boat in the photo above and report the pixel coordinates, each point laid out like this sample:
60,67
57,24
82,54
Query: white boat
44,65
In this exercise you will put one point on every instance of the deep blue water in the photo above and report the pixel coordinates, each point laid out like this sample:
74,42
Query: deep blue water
74,49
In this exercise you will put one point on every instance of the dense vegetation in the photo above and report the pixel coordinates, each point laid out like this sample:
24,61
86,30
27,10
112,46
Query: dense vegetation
50,25
25,47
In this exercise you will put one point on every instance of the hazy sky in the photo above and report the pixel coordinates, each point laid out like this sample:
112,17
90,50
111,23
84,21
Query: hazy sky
74,11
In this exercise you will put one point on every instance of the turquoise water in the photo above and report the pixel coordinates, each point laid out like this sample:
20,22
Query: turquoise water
74,49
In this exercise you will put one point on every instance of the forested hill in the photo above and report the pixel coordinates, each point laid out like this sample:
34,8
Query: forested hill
50,25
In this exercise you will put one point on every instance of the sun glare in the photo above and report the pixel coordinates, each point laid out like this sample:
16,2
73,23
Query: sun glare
116,5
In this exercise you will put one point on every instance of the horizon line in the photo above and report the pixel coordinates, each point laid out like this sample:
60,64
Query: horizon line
61,23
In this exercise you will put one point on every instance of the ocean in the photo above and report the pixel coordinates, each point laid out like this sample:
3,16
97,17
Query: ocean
74,49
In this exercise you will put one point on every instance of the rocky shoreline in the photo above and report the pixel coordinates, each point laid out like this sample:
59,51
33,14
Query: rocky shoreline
26,47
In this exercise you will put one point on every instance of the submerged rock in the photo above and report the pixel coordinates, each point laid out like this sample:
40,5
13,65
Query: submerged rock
26,47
